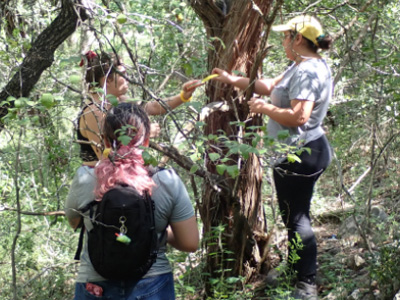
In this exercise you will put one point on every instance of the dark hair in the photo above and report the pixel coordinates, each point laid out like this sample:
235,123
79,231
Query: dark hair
130,116
100,65
324,41
124,164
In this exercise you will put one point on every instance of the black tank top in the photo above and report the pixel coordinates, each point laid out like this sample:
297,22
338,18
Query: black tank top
86,153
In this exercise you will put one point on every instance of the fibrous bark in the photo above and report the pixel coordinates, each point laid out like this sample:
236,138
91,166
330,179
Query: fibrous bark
237,206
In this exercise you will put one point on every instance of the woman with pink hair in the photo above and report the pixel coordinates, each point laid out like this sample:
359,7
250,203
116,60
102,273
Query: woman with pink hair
173,208
105,77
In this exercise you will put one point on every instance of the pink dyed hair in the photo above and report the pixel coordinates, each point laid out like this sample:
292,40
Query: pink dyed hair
125,164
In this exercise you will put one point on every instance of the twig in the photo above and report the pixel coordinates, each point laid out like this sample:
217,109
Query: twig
359,180
264,49
31,213
186,163
19,224
347,58
352,22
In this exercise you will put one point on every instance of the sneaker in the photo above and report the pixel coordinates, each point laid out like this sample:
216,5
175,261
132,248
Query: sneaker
305,291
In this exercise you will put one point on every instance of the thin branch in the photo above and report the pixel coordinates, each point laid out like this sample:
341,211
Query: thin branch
347,58
64,84
187,164
359,180
31,213
352,22
19,223
263,49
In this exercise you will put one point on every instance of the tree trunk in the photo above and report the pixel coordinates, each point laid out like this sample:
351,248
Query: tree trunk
41,54
237,206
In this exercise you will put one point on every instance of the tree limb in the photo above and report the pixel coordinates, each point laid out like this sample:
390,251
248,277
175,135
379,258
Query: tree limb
186,163
358,42
31,213
41,55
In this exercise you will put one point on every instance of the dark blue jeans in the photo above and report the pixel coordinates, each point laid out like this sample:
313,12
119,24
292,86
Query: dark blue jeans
294,184
159,287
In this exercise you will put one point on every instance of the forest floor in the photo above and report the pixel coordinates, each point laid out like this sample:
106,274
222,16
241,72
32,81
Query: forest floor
348,248
348,254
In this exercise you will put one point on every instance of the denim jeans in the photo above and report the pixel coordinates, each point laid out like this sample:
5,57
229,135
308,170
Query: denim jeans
159,287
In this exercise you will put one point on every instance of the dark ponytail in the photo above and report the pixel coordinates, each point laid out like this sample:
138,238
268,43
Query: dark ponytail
324,41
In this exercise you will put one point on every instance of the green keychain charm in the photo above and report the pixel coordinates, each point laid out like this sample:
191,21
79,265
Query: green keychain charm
122,237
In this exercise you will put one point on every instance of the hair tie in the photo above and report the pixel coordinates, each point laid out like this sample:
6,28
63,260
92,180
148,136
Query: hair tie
320,37
89,56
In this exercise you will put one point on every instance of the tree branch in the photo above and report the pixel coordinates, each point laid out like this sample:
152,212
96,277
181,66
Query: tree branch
186,163
41,55
31,213
347,58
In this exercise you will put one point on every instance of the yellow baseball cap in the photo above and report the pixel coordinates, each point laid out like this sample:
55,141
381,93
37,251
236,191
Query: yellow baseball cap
308,26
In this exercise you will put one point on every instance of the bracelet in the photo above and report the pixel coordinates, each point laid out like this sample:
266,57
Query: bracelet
106,152
183,98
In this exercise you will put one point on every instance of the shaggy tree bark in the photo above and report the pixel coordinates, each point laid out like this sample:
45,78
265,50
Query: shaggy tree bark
41,54
235,29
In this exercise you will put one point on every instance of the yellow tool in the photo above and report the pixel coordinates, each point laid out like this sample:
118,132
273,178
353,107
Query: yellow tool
209,77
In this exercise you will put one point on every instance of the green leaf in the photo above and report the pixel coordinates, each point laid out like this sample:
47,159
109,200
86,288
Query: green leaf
283,134
244,150
149,159
214,156
200,124
121,19
188,69
308,150
112,99
293,158
124,139
233,171
221,169
232,280
19,103
47,100
193,169
214,281
140,28
255,141
212,137
75,79
194,156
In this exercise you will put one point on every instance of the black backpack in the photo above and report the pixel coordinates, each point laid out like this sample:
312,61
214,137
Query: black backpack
123,243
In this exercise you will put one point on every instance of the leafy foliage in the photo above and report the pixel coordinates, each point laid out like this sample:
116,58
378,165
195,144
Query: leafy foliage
163,44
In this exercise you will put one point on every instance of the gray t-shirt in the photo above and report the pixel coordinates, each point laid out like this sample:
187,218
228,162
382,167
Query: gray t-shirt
311,80
172,204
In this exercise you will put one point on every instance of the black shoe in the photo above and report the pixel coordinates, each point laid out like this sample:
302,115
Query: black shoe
305,291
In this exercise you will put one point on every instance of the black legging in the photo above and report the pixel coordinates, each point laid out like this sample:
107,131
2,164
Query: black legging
294,184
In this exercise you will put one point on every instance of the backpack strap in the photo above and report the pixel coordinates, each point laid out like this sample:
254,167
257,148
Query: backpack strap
82,226
153,224
80,244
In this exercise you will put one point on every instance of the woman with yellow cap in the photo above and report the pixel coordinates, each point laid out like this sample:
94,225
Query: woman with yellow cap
299,101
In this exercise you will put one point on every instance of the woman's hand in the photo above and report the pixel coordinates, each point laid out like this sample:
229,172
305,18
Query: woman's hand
223,76
189,87
256,105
